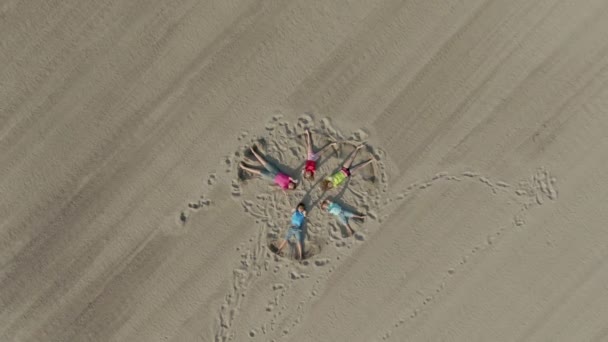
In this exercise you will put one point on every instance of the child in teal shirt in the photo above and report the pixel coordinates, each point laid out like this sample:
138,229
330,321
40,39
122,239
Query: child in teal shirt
342,214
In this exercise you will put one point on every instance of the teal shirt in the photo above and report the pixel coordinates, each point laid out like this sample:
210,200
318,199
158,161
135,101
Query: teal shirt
334,209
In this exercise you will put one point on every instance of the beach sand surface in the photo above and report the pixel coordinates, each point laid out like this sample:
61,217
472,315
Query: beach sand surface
124,216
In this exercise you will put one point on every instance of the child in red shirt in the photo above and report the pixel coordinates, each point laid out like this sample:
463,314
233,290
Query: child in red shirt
310,167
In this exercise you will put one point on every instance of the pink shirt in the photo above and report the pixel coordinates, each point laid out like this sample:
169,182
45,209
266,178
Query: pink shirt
282,180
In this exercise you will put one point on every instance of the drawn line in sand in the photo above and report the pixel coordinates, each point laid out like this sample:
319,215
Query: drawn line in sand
541,181
533,192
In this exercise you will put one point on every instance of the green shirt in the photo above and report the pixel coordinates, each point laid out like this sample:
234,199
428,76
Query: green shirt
337,178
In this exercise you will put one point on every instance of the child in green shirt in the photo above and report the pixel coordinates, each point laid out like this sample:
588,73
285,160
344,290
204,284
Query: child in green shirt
346,171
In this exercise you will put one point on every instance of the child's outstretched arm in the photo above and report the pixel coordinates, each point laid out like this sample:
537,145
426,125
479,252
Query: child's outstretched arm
283,192
286,195
350,229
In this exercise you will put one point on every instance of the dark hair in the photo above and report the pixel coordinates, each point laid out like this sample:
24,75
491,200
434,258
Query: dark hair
312,175
301,205
295,185
326,185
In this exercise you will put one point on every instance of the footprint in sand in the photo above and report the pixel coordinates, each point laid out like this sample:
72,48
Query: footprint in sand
183,217
228,164
211,179
321,262
201,203
235,188
242,135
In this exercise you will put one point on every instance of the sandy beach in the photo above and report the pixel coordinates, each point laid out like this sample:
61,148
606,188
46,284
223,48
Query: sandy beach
124,215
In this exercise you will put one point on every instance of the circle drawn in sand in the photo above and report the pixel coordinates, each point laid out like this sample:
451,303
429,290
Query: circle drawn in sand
283,144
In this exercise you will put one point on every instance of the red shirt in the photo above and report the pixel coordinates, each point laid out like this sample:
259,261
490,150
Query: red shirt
311,166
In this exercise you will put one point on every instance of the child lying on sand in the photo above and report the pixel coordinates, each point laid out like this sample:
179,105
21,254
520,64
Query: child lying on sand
271,173
295,230
346,171
342,214
311,157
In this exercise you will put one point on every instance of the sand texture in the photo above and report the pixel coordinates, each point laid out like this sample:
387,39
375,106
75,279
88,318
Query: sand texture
124,216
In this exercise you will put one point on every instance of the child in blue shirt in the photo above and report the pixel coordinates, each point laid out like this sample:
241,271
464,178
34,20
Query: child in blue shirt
295,230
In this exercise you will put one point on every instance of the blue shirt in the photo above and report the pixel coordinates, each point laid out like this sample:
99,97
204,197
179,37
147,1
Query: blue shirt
297,219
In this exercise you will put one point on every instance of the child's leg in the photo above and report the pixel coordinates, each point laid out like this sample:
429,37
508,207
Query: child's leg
349,214
360,166
299,249
281,246
351,230
343,218
288,235
250,169
351,159
258,156
309,151
267,165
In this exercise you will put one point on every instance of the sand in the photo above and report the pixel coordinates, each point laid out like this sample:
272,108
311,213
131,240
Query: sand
123,216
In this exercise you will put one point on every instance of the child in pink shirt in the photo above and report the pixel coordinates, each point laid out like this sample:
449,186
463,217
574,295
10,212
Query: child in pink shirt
271,173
